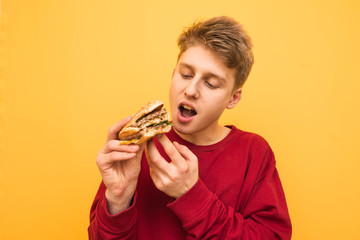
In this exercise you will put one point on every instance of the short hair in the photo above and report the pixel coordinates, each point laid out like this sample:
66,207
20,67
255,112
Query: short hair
227,39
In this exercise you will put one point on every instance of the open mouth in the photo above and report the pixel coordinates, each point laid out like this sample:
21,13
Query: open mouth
187,111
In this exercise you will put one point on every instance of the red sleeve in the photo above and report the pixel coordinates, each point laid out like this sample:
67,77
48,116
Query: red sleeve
264,217
106,226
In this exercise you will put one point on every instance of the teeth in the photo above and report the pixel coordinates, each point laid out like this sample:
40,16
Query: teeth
187,107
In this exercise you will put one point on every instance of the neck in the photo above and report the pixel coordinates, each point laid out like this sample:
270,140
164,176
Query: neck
206,137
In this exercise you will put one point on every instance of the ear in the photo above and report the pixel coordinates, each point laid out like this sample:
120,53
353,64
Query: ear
235,98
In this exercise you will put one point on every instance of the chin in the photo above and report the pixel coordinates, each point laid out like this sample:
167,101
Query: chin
184,129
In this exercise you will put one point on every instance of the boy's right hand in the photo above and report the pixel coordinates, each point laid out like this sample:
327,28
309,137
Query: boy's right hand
119,166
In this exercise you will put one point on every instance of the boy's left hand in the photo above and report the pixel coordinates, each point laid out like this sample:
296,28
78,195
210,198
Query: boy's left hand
176,177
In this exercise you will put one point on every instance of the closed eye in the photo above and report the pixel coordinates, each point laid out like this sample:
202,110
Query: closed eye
210,85
186,76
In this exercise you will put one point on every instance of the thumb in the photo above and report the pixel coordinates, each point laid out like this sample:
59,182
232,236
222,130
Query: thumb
115,129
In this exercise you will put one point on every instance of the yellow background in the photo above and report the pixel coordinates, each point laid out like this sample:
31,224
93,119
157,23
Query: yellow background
69,69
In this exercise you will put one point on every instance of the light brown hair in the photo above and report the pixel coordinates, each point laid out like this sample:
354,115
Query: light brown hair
227,39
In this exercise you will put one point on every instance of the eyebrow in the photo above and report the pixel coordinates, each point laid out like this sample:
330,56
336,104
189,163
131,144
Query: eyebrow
207,74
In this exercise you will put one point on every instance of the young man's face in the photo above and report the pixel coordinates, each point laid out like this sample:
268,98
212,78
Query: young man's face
202,87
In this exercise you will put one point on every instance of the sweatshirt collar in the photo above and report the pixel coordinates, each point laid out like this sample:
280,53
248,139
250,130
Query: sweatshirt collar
173,136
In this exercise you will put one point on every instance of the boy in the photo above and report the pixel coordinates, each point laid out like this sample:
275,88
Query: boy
201,180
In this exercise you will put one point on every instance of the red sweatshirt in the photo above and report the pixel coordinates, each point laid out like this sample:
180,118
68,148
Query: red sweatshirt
238,196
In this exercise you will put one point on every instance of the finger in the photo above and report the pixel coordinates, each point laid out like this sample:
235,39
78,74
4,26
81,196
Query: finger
118,156
185,152
141,148
105,160
114,145
176,158
140,151
115,129
155,160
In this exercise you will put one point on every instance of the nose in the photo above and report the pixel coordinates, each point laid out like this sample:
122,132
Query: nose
192,89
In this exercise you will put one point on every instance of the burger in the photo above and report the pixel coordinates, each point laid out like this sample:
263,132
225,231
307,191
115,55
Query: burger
148,122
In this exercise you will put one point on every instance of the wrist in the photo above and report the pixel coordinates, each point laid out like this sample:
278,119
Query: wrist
117,204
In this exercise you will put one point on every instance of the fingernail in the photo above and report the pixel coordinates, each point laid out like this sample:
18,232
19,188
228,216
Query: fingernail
134,147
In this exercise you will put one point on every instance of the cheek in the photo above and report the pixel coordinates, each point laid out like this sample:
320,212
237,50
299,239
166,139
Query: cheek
175,86
173,90
172,85
218,102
